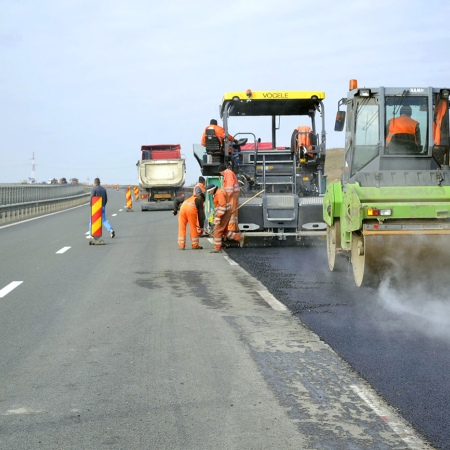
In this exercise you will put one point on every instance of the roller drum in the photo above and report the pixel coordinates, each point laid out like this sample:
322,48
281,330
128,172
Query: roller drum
399,256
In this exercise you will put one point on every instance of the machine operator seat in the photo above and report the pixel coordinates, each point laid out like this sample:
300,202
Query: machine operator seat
214,145
403,144
304,141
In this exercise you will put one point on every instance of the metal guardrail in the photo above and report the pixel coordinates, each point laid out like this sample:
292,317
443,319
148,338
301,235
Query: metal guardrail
15,194
18,202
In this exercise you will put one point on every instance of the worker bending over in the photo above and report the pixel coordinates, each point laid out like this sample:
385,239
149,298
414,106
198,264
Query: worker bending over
199,188
191,212
222,210
231,187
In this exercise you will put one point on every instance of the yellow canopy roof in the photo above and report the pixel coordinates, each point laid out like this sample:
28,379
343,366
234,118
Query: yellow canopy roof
274,95
270,103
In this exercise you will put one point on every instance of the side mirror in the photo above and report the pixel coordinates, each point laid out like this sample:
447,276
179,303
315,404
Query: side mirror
340,121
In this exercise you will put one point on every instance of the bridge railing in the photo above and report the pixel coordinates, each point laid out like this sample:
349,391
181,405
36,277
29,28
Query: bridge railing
13,194
19,202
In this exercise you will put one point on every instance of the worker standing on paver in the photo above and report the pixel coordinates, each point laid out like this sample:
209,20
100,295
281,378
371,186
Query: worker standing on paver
231,187
222,210
191,212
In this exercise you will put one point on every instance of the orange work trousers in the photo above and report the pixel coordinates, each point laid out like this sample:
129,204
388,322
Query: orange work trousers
233,225
221,229
188,215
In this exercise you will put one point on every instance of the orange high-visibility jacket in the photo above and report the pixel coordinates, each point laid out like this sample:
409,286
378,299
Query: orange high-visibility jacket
441,109
221,203
404,125
304,138
218,131
199,188
230,182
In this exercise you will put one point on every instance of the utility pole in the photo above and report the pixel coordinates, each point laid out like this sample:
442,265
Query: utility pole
32,179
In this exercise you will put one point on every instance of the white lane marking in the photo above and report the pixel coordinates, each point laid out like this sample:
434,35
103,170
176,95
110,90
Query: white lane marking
398,425
7,289
113,215
19,411
87,232
63,250
40,217
120,209
231,262
272,301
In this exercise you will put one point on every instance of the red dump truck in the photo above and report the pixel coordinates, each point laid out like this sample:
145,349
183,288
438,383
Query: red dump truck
161,175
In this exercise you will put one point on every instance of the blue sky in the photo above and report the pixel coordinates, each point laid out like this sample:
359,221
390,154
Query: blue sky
84,83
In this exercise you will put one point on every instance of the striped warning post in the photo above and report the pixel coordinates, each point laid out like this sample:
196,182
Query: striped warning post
136,193
128,198
96,216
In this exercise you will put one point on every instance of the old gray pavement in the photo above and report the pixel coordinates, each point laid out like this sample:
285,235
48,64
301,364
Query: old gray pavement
137,345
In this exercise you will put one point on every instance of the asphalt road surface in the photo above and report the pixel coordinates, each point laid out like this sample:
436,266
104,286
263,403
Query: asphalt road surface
137,345
396,337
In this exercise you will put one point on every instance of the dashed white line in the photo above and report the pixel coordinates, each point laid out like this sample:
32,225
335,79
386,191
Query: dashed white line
113,215
19,411
11,286
397,424
63,250
272,301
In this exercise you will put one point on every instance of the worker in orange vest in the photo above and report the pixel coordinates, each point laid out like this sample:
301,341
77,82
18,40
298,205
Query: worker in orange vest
231,187
222,209
191,212
199,188
305,138
439,114
218,131
404,124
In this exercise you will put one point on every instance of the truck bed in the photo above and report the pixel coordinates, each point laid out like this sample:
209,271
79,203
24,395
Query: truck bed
161,173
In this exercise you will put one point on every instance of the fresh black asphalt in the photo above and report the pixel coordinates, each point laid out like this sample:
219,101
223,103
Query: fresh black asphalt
398,339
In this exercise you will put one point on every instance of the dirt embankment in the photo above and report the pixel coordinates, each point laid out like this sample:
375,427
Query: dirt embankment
334,162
